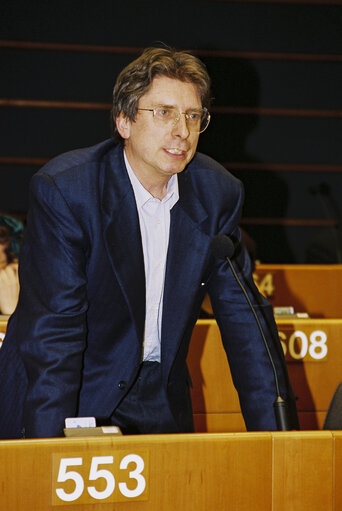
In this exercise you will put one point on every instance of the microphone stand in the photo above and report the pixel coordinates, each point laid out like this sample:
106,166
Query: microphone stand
281,409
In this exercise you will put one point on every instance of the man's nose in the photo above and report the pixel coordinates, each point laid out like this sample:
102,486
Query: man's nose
180,127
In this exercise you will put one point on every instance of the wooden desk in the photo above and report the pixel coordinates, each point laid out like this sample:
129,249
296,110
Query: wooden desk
314,289
314,378
3,326
199,472
3,323
313,353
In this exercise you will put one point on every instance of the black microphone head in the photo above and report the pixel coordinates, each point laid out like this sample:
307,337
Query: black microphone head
222,246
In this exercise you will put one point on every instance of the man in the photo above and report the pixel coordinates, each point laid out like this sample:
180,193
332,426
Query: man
115,265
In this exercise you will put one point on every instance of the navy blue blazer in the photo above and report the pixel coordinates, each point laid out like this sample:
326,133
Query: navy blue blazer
74,344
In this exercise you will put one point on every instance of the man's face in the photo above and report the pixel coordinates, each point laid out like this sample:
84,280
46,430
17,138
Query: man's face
155,151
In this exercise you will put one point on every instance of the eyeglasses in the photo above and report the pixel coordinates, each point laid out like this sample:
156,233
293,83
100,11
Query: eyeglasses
196,120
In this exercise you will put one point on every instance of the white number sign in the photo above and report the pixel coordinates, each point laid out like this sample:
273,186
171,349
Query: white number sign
89,479
299,345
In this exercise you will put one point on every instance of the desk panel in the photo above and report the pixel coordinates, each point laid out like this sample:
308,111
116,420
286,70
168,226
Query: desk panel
237,471
314,380
313,354
303,471
3,326
337,436
314,289
185,472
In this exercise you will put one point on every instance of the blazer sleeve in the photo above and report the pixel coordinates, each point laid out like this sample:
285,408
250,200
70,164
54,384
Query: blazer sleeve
248,359
51,314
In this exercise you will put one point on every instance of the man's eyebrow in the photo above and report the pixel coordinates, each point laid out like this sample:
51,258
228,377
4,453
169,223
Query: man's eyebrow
165,105
192,109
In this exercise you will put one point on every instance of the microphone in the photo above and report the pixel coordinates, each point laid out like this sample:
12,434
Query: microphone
223,247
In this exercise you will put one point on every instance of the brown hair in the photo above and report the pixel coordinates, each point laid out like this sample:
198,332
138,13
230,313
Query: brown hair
135,79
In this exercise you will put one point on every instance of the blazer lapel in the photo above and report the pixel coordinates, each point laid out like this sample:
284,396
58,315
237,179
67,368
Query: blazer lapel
188,248
122,237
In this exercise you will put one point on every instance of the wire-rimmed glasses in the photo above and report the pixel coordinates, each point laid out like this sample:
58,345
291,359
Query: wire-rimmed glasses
197,120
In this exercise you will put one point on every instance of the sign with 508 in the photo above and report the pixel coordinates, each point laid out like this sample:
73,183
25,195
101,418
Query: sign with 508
85,478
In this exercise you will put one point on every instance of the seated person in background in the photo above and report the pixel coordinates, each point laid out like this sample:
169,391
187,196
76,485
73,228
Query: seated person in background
10,235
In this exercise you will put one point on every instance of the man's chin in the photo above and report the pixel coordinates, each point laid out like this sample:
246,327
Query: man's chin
176,169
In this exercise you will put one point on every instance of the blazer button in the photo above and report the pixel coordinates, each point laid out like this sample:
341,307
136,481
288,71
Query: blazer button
122,385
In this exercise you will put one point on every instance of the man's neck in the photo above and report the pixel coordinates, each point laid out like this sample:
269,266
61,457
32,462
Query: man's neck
156,185
157,190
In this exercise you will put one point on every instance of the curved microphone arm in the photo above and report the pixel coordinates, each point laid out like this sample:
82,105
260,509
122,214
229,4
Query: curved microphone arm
223,248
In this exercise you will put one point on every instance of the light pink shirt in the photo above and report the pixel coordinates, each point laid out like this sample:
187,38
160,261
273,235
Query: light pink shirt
154,219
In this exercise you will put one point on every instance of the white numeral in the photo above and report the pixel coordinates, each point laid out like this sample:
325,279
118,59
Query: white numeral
304,345
96,474
318,341
63,476
134,474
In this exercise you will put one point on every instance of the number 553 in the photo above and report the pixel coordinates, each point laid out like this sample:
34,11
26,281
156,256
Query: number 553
116,477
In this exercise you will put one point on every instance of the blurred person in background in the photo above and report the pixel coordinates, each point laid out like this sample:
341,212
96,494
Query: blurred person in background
10,237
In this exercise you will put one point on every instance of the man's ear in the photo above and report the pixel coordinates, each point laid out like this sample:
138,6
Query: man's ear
123,125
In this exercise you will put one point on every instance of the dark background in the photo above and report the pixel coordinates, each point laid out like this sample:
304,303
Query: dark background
276,68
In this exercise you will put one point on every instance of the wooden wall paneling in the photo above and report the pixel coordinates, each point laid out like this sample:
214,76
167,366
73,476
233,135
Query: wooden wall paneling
314,289
303,471
59,130
337,439
228,25
74,73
